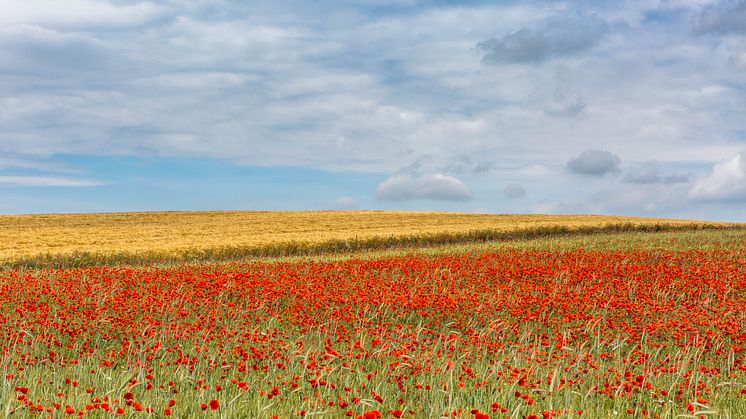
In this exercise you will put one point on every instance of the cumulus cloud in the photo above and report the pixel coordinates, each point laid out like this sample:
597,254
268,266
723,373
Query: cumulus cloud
594,163
345,203
402,187
514,192
726,182
728,17
558,37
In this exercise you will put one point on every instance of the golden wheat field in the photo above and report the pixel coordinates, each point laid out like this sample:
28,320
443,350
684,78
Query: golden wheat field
28,236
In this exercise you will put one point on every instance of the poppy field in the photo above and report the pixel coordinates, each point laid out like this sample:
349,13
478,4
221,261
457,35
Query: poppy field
487,333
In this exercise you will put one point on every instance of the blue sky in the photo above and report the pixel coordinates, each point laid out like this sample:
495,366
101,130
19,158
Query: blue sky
634,107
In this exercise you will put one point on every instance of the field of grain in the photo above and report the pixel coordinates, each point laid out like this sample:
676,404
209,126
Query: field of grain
165,234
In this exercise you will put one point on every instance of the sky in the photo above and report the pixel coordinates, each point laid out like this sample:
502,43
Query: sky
609,107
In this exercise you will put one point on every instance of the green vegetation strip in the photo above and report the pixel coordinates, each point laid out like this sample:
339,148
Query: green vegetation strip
287,249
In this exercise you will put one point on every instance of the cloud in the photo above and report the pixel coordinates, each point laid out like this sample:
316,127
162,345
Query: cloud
568,109
286,90
649,174
452,165
345,203
38,50
36,164
464,164
266,83
531,169
26,181
594,163
739,59
557,38
78,13
560,207
653,199
402,187
514,192
726,182
728,17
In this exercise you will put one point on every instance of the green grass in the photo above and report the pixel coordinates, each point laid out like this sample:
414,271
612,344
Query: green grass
681,240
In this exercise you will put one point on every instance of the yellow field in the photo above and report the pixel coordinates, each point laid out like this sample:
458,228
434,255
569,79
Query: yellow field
28,236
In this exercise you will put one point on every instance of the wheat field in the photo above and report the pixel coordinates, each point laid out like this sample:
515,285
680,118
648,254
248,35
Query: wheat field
169,233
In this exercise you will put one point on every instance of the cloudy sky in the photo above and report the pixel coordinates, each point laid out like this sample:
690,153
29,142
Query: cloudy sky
634,107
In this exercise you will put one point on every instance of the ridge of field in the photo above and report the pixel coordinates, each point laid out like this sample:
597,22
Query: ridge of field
150,236
707,239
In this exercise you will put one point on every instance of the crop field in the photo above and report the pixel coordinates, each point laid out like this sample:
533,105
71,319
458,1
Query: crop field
93,239
633,324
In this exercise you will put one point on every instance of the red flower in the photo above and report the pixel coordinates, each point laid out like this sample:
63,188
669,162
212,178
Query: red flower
214,404
372,414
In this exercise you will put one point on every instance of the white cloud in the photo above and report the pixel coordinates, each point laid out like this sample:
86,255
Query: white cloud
533,169
594,163
439,187
77,13
25,181
726,182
